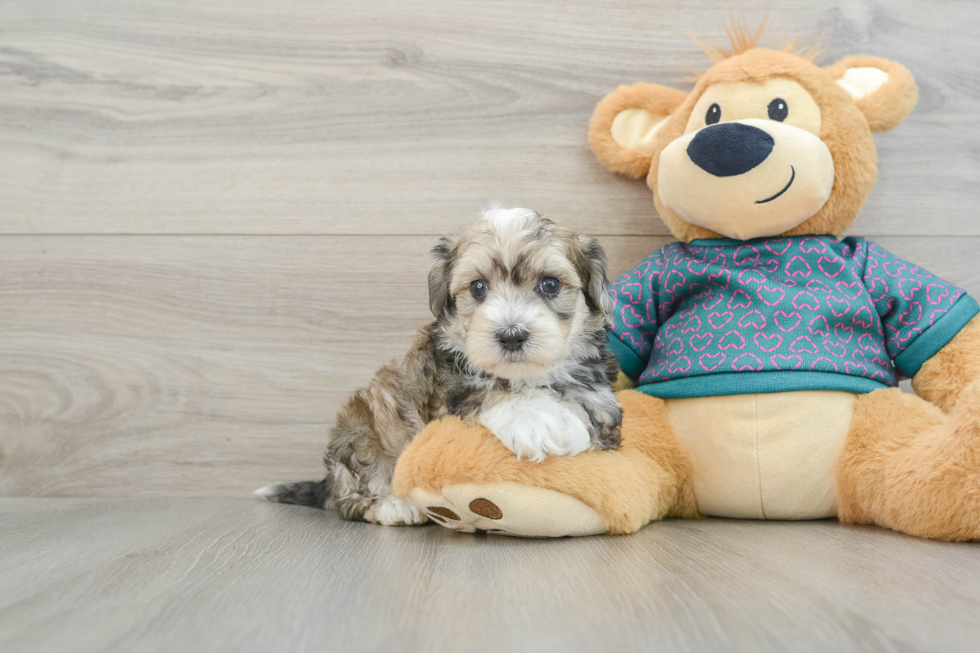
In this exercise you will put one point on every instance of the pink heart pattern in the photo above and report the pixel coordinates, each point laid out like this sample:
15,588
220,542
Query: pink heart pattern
792,303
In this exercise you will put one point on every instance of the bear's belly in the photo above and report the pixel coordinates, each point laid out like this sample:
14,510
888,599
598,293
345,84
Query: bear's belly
764,456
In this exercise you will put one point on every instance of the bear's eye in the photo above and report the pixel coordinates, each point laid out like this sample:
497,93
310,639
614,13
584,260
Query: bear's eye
549,286
713,115
479,289
778,110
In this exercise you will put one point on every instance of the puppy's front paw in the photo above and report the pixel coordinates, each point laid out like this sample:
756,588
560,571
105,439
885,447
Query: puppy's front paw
537,427
393,511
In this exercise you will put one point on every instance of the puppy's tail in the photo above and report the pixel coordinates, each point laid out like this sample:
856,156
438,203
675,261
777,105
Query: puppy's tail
304,493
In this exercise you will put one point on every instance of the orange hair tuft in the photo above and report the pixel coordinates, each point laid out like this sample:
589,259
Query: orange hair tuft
742,39
740,36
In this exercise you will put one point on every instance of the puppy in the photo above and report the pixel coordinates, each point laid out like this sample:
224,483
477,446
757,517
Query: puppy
522,308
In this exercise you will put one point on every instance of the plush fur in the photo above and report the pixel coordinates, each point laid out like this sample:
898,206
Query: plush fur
943,377
886,109
845,130
651,471
908,466
658,100
910,463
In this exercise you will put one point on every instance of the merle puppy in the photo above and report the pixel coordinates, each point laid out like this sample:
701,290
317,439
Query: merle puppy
522,307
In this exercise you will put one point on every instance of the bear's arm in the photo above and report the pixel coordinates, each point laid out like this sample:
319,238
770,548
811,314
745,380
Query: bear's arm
931,326
942,378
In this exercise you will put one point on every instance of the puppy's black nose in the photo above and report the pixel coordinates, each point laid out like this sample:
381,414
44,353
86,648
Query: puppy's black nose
512,338
729,149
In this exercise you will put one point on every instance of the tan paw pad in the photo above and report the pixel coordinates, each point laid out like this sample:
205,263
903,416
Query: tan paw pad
509,509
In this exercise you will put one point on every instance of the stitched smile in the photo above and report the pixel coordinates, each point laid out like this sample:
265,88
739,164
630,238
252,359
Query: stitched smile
785,188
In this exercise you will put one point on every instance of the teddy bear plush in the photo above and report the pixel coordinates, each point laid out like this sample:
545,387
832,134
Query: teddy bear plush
764,349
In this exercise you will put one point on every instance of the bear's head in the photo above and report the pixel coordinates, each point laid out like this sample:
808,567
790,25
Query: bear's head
766,144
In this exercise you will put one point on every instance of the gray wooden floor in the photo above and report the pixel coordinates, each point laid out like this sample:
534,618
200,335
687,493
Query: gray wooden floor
236,575
214,225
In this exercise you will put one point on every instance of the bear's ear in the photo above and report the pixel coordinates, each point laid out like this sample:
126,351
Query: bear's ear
625,124
883,90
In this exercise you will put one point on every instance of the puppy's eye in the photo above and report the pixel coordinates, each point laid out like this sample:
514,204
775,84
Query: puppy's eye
363,463
778,109
713,115
549,286
479,289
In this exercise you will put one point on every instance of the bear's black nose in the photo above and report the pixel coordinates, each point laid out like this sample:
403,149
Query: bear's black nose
730,148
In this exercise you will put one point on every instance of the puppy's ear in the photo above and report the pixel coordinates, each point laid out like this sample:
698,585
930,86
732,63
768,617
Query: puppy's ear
883,90
590,263
625,123
439,276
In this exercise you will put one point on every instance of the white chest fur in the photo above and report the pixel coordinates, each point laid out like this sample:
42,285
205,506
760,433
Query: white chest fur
764,456
536,427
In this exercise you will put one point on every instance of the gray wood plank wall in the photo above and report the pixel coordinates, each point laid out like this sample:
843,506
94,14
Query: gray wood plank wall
214,216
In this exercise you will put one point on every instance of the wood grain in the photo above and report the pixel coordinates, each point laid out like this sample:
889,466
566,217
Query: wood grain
236,575
402,117
195,365
212,365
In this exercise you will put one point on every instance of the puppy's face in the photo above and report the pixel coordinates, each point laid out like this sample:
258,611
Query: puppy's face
515,290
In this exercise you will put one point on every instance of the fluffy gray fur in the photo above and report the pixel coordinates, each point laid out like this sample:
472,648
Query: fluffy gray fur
458,366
